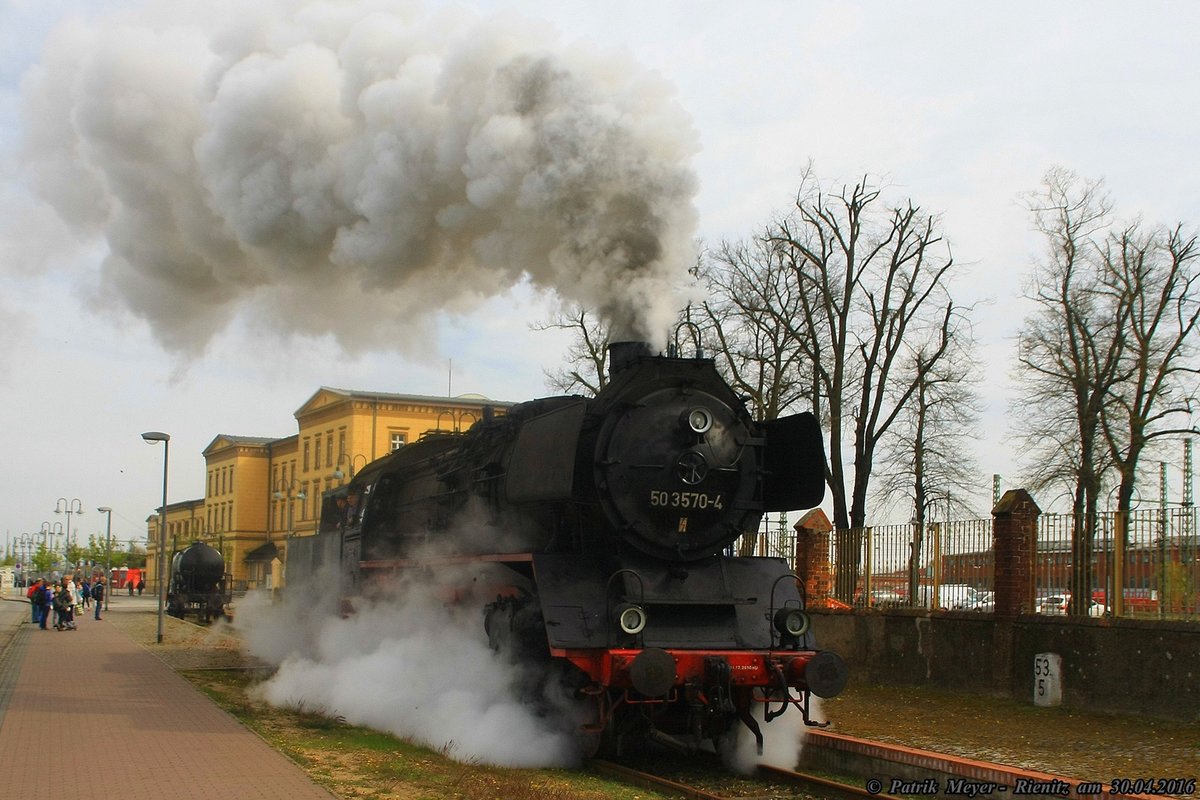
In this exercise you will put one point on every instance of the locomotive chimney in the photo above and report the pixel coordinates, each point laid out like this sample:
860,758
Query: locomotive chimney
624,354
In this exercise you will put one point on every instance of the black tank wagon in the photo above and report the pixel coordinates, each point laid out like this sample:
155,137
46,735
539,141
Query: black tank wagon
198,583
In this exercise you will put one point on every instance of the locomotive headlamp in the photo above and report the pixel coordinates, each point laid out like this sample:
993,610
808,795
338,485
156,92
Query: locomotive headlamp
631,618
792,622
698,419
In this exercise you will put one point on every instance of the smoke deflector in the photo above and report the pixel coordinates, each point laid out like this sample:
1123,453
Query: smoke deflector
793,463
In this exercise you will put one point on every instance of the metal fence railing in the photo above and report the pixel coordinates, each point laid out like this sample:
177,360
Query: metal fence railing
951,564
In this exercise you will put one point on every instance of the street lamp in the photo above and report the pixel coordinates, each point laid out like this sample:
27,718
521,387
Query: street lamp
72,506
25,547
152,437
284,488
337,471
107,554
48,532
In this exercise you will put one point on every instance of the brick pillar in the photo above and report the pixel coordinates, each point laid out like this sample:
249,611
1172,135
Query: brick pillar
1014,546
1014,540
813,565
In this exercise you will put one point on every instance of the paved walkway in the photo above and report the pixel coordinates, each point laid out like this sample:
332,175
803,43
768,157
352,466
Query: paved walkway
92,710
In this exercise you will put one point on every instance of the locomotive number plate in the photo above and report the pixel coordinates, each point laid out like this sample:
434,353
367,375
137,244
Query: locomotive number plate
700,500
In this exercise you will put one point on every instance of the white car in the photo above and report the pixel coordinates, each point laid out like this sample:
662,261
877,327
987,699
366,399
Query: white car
1053,604
982,601
1060,604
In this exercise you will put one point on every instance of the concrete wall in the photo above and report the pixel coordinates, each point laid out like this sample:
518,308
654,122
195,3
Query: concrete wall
1134,666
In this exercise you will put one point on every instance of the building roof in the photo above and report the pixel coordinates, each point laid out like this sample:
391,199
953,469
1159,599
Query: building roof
223,440
263,553
469,399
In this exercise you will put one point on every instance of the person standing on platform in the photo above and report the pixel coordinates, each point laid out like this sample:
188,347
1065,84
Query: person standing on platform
141,586
62,598
98,594
45,596
35,599
77,593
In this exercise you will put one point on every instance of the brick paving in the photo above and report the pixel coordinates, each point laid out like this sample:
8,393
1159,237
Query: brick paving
92,708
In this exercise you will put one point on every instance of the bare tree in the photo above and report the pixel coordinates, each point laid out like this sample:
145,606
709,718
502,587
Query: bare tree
926,456
872,283
1108,359
1058,365
753,299
1154,273
586,359
847,286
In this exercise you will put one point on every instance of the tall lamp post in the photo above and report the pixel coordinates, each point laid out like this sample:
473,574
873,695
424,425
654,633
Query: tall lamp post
49,533
72,506
107,553
286,488
26,549
339,473
152,437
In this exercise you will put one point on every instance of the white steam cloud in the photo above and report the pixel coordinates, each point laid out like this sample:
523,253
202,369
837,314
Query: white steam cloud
349,168
413,666
783,741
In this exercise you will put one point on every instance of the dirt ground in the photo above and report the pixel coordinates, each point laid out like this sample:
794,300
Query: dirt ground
1065,742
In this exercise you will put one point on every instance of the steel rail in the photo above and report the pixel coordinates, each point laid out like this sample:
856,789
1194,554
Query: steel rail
645,780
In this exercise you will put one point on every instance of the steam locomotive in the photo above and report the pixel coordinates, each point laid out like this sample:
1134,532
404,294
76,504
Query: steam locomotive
198,583
602,530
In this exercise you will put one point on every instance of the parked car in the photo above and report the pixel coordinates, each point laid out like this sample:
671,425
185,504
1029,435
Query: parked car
982,600
949,595
1061,604
1053,604
886,598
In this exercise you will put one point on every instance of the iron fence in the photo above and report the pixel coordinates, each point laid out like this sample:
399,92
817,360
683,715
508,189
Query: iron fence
951,564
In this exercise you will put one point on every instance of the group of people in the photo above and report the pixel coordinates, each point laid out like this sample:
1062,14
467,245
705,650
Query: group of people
71,595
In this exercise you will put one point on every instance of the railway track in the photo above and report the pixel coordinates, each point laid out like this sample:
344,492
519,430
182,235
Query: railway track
769,782
888,766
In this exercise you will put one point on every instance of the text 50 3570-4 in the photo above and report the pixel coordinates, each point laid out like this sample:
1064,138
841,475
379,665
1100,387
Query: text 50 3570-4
700,500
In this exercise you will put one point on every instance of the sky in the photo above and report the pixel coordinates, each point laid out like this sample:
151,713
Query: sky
961,107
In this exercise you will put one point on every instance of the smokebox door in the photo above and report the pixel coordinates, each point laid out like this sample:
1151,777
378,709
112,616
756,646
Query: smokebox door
542,465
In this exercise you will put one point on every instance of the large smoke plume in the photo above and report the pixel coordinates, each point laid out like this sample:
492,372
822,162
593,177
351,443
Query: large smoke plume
347,168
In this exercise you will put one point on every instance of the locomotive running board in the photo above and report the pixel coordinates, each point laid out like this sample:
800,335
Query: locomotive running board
446,561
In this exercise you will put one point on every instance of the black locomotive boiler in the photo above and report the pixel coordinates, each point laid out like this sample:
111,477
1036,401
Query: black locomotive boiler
198,583
606,528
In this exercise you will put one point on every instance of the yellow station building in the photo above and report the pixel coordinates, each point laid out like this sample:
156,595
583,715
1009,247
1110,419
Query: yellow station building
259,492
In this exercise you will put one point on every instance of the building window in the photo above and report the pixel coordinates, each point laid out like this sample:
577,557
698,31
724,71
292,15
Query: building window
399,440
317,453
341,443
306,462
329,449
